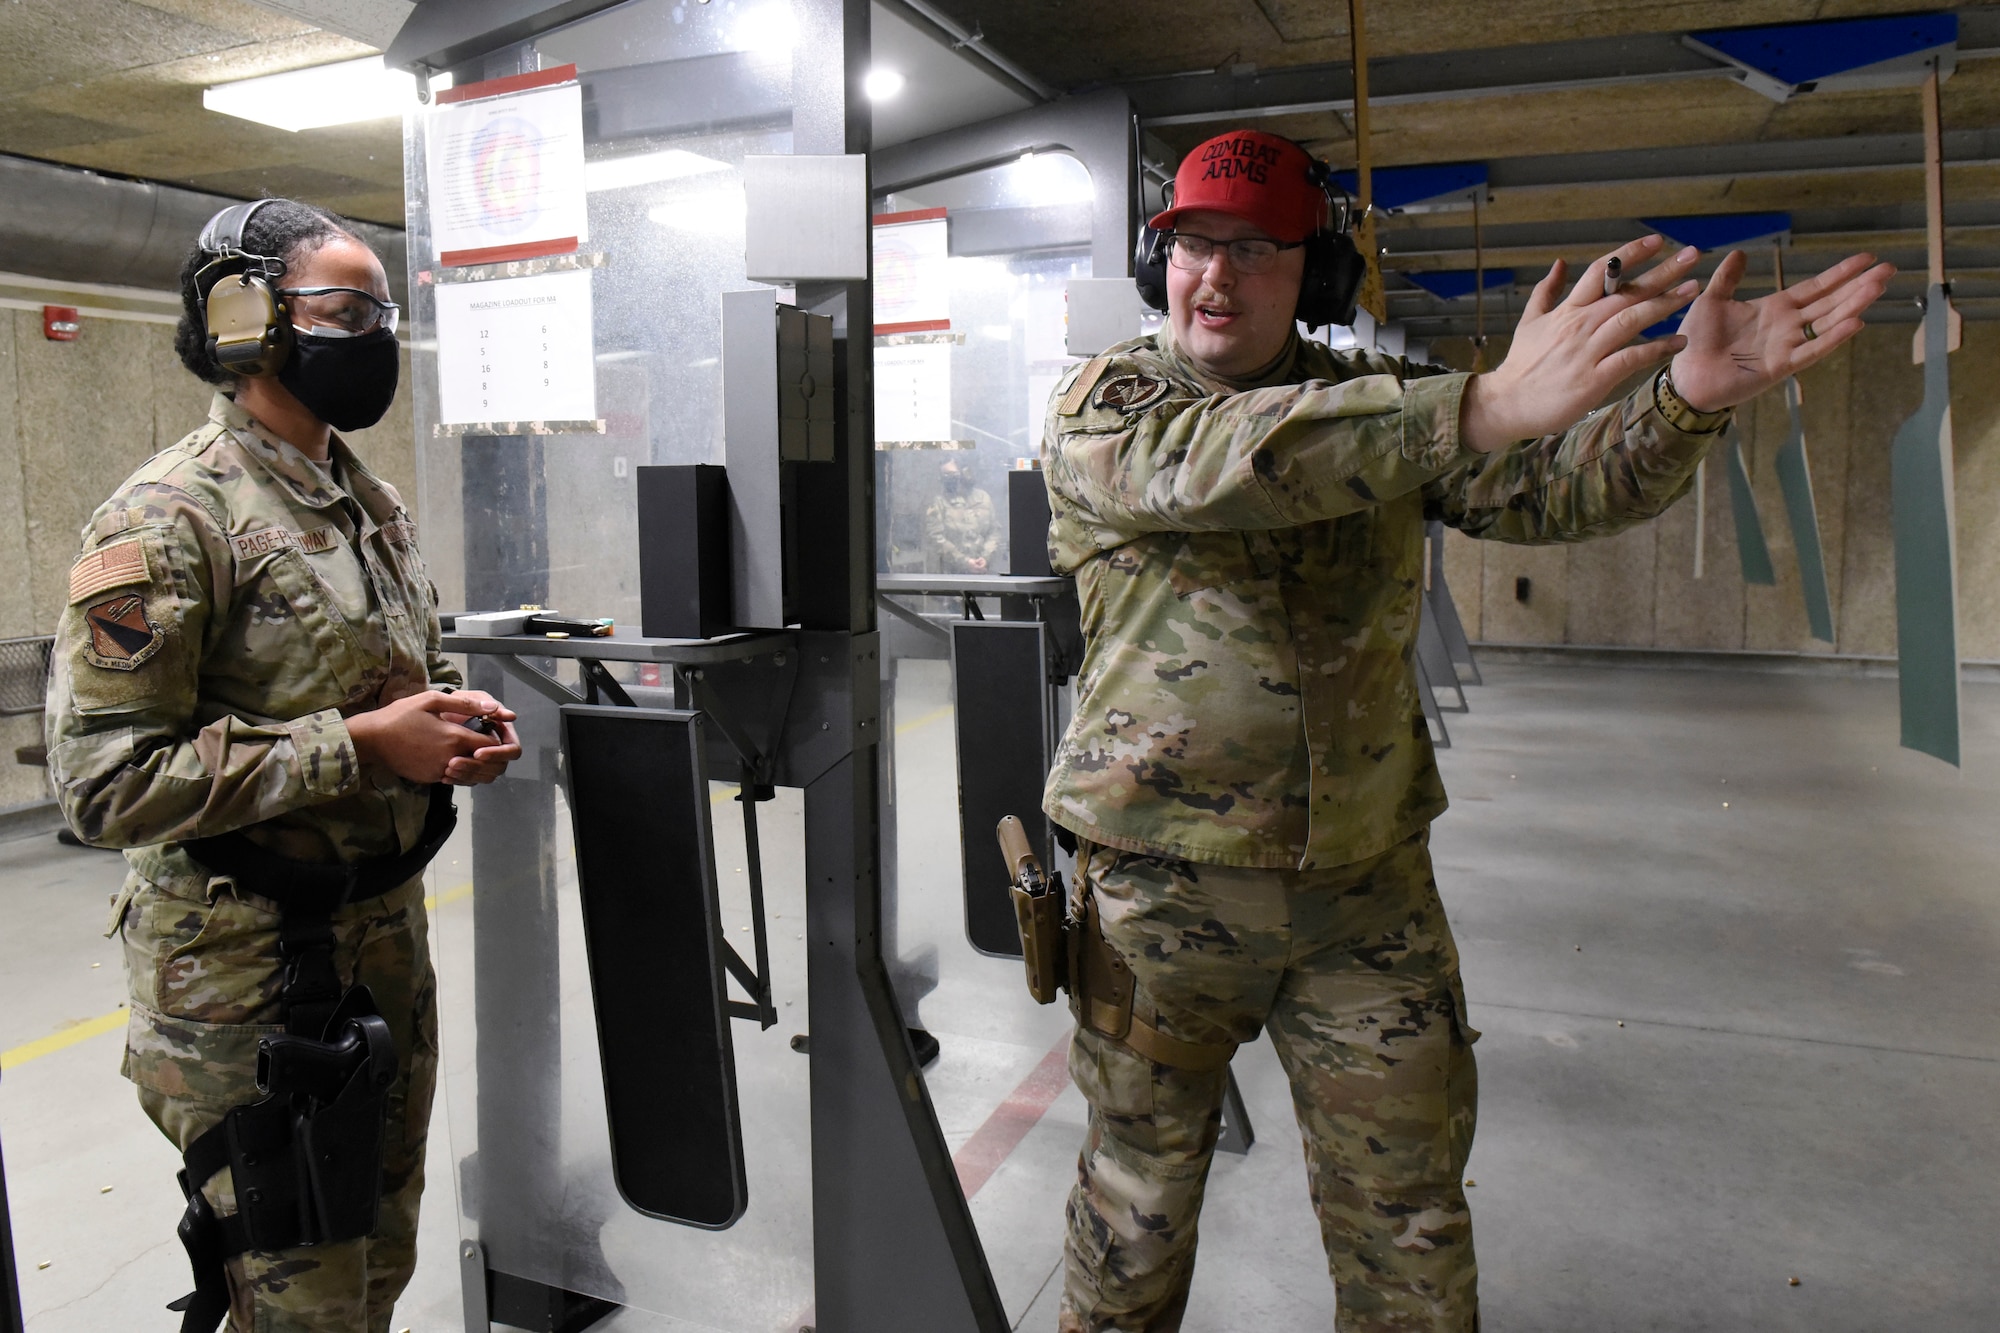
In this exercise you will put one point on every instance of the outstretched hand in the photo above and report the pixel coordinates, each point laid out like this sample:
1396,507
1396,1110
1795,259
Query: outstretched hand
1737,349
1571,352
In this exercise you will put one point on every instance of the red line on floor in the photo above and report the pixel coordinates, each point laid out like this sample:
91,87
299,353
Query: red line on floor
994,1142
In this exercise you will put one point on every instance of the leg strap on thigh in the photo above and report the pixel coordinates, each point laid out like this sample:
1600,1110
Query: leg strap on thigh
305,1161
1102,993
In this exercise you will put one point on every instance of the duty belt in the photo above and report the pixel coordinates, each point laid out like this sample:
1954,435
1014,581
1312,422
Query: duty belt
308,893
1063,948
306,1159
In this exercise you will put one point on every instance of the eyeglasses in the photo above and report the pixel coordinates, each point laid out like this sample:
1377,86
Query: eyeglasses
340,312
1251,254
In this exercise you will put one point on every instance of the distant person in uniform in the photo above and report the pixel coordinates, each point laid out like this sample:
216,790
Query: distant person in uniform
1248,774
960,533
249,698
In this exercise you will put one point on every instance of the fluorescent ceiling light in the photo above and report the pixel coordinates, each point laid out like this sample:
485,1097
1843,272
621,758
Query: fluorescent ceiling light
1050,178
883,84
309,99
768,27
715,211
618,173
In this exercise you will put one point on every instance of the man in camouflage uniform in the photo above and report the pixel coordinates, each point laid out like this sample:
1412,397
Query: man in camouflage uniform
251,643
960,534
1248,771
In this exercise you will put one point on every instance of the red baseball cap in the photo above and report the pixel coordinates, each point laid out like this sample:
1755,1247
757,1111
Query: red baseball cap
1265,179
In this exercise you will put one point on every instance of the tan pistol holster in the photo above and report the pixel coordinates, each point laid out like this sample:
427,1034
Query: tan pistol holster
1063,947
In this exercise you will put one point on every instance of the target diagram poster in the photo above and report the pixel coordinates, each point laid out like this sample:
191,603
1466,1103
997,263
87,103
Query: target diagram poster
505,167
912,272
516,349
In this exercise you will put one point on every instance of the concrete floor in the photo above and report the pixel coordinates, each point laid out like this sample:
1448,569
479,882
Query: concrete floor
1803,1086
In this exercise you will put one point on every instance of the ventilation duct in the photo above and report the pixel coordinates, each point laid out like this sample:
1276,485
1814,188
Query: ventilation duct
75,225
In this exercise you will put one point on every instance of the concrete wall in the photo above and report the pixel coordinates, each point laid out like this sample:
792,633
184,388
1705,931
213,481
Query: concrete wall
75,420
1637,589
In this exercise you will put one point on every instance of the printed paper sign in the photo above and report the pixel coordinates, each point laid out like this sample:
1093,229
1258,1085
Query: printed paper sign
913,394
506,169
516,349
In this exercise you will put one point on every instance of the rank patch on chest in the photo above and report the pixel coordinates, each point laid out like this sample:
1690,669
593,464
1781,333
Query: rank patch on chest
1129,393
121,635
109,567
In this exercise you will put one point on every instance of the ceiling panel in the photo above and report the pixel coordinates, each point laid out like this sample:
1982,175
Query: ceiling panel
116,85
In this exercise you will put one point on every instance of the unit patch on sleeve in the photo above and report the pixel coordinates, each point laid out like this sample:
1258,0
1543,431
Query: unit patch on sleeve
1130,393
122,637
109,567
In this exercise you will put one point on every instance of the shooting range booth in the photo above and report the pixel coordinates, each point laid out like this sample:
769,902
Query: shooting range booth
653,385
632,1125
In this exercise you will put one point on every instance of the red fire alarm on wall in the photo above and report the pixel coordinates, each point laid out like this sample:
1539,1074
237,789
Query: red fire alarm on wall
60,323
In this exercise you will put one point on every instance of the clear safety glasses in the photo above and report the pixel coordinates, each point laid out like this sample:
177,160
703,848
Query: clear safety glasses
1248,255
339,312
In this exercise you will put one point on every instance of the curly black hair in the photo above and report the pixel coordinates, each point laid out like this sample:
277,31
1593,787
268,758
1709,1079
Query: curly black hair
284,229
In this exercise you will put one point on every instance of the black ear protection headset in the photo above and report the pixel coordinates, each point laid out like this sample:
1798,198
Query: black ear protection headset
1334,267
249,323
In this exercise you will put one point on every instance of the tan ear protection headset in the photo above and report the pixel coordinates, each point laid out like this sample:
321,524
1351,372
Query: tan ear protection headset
249,324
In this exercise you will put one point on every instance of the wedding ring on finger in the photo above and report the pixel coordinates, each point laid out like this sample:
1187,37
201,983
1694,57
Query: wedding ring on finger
1808,331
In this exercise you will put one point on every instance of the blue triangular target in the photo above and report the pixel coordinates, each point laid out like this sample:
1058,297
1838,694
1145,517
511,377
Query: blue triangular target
1397,188
1793,58
1450,284
1670,325
1719,231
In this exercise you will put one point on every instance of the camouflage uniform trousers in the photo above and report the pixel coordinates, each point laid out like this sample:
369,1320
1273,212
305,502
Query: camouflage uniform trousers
1354,973
204,974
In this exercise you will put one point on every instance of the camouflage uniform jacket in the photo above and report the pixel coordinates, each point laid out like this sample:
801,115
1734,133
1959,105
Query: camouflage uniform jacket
959,529
1249,559
233,604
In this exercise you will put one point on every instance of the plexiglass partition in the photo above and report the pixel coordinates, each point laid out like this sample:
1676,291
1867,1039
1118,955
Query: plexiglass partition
674,96
1017,235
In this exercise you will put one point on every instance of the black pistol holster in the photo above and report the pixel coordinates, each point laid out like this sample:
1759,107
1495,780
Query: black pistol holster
306,1158
1063,946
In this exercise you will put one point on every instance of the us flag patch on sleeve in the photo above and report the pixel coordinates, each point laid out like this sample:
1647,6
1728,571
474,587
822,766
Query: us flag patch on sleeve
111,566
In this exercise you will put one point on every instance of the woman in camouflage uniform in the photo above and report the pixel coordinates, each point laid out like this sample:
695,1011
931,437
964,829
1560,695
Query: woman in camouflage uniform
251,646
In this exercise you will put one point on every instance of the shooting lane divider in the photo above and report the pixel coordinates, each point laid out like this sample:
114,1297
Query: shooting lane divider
1922,502
1751,547
1795,482
1700,518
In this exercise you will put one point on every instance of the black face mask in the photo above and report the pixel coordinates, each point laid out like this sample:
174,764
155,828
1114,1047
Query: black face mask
346,382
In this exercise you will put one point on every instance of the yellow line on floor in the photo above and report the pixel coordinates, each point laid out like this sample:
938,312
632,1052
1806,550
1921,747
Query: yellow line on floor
56,1041
935,715
103,1023
450,895
93,1027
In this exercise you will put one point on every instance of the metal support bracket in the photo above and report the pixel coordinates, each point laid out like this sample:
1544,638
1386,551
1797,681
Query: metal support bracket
472,1286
